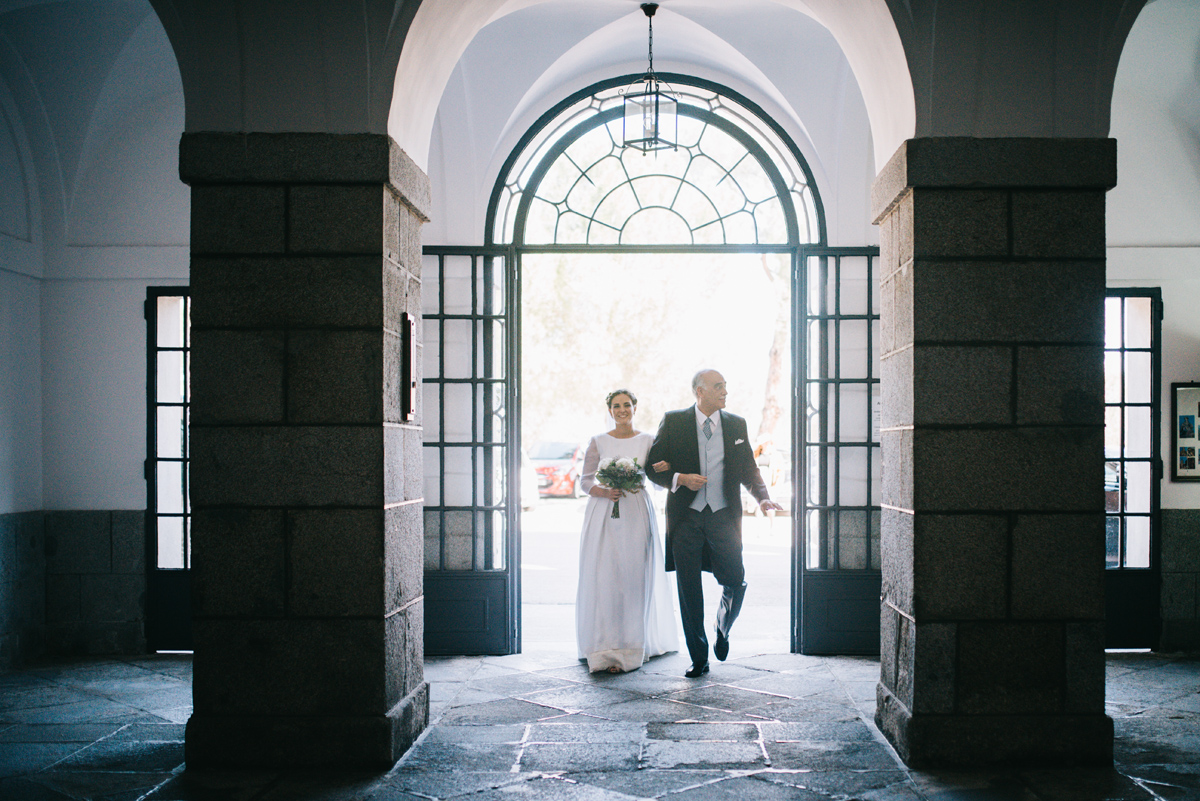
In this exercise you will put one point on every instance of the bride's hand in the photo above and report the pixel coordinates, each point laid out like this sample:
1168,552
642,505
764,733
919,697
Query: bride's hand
661,467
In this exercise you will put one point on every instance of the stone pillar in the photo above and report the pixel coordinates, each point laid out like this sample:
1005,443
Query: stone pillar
305,474
993,509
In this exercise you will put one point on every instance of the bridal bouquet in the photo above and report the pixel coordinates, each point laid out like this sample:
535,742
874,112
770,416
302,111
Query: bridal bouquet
623,474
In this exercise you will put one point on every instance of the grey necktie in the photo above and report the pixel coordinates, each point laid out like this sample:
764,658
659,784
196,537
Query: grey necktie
707,428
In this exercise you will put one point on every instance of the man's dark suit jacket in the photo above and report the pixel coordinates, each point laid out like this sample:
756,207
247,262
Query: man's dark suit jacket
677,443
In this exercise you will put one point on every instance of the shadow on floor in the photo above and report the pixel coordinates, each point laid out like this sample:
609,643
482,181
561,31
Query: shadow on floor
538,726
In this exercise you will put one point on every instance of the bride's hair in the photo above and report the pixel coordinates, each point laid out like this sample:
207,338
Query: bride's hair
608,401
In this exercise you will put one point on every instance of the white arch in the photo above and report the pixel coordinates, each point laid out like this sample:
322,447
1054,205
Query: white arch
442,29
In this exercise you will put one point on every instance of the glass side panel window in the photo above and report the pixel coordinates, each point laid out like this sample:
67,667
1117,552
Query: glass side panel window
169,316
1129,437
465,410
841,404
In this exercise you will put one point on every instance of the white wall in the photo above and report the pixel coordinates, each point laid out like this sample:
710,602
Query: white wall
92,212
1154,212
523,63
20,394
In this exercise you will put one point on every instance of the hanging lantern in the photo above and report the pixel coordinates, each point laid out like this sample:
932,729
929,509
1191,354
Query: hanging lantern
651,121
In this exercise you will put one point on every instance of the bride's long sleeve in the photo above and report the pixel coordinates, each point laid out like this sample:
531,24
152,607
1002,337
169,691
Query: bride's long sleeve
591,460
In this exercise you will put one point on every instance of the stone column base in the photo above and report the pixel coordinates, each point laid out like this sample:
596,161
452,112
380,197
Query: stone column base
976,740
307,741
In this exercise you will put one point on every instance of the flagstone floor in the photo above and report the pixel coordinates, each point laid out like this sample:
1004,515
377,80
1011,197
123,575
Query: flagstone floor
538,726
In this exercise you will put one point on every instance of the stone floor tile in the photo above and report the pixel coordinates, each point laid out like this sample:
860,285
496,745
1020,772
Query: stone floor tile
469,697
451,668
578,757
652,685
468,735
19,759
39,695
427,756
802,711
519,684
878,785
830,756
782,663
581,729
1084,785
506,710
22,789
536,660
57,732
649,782
578,697
326,786
550,788
114,785
214,785
696,754
842,731
792,685
452,784
93,709
724,697
133,755
714,732
737,787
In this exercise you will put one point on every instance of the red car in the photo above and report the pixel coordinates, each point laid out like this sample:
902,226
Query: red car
558,466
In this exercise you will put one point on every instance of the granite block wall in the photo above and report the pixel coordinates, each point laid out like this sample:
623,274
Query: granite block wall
95,582
1180,539
992,618
307,594
22,588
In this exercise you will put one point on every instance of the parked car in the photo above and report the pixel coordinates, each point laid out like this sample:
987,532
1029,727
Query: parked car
558,465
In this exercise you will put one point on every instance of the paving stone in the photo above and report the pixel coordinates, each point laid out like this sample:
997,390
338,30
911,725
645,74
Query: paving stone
459,757
869,784
575,698
214,785
21,789
848,731
729,699
452,784
549,788
658,711
19,759
57,732
724,732
128,756
504,711
519,684
649,782
106,785
830,756
582,729
698,754
806,710
468,735
738,788
573,757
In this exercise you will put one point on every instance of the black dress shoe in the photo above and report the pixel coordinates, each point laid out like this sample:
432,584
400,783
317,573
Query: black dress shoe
721,646
696,671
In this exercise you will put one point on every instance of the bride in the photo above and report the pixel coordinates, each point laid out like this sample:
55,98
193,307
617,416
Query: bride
623,610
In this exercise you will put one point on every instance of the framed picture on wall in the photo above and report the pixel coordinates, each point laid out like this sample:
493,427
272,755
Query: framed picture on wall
1185,418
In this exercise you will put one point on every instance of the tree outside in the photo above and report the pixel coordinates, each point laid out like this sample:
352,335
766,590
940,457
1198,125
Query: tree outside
593,323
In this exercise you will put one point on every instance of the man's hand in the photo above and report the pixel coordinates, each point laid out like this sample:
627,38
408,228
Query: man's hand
661,467
693,481
770,506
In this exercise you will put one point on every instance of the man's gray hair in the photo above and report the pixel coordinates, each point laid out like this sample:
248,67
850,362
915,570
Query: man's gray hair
697,380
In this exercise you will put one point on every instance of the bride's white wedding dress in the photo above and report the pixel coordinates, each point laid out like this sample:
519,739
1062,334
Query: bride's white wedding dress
623,610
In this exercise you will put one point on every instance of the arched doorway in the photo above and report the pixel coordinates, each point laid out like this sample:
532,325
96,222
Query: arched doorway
736,186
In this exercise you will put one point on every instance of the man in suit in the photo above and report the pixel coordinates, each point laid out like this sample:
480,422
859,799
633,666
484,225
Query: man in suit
710,458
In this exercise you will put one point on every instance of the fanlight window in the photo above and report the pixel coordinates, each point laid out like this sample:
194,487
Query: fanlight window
732,181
